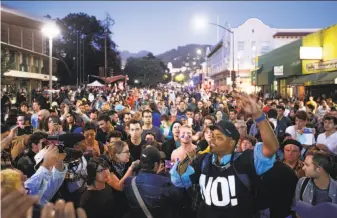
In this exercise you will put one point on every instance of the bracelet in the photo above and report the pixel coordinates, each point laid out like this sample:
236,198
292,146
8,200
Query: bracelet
260,119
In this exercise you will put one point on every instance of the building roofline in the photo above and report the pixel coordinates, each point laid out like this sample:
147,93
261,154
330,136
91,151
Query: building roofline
18,13
215,48
298,30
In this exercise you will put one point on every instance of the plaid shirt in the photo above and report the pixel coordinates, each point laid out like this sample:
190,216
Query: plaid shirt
298,169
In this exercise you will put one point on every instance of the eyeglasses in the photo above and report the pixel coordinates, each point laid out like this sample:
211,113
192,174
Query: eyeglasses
125,152
102,170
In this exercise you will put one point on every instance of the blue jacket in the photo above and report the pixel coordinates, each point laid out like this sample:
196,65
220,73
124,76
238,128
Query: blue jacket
156,119
159,194
45,183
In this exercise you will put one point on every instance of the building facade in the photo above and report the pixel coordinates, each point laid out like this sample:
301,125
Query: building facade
251,39
26,51
278,68
294,71
319,76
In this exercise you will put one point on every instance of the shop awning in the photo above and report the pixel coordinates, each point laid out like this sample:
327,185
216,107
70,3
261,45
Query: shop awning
329,78
307,80
28,75
114,79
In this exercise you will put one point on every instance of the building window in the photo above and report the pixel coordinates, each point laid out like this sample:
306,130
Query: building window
253,44
241,45
265,47
253,61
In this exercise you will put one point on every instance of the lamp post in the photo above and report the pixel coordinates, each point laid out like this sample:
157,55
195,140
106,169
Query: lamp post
255,54
202,22
238,59
50,31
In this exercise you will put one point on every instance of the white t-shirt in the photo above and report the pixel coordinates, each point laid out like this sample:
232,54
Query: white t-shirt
330,142
305,139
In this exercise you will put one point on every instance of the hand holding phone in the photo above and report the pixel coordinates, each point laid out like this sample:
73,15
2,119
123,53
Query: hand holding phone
168,164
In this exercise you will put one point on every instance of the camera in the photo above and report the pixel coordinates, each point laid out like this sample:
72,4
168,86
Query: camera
65,144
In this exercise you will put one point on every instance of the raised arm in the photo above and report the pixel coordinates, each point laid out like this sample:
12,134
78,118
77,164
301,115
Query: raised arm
250,107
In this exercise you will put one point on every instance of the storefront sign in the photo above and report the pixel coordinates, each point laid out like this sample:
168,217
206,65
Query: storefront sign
327,40
311,53
322,66
278,70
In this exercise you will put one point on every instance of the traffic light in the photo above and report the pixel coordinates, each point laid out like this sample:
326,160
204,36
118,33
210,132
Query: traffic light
233,75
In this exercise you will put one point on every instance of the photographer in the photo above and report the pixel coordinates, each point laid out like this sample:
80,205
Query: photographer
156,191
50,174
54,126
26,162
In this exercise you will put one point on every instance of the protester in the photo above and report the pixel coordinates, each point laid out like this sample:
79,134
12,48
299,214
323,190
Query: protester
93,164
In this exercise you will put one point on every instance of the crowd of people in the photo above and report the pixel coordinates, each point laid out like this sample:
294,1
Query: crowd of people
168,152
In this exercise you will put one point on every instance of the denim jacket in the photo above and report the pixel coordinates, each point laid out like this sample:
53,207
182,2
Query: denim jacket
45,183
308,193
158,193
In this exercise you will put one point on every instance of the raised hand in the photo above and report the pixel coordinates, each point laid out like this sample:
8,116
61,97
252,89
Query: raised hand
15,204
51,157
62,210
248,104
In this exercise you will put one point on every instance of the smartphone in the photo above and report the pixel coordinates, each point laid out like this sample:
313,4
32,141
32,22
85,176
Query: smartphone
190,121
168,164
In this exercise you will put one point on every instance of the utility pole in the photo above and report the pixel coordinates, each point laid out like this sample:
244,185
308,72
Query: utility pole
108,22
105,56
77,58
80,60
83,76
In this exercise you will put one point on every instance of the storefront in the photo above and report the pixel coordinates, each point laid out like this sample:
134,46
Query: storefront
277,69
319,64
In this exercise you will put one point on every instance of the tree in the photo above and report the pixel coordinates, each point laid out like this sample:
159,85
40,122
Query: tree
5,64
149,70
92,32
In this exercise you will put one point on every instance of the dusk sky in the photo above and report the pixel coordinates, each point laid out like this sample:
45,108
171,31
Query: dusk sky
161,26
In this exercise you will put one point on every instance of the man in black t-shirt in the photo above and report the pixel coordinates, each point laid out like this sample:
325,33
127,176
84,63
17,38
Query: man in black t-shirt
136,143
226,178
98,199
105,126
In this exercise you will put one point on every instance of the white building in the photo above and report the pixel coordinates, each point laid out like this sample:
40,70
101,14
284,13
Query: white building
251,39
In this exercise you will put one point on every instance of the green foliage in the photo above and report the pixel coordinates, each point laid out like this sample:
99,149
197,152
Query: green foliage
93,32
149,70
5,64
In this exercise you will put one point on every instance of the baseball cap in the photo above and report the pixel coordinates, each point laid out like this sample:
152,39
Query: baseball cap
291,142
39,157
326,210
227,128
149,156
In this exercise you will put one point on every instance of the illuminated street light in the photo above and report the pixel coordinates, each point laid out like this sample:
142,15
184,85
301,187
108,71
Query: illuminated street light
200,22
51,31
199,51
136,81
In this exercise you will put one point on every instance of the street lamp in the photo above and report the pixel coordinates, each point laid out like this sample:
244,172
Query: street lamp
201,22
50,31
199,51
239,57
